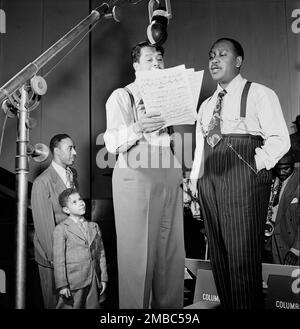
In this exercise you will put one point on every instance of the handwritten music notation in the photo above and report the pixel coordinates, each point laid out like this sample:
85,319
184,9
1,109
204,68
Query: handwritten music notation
173,92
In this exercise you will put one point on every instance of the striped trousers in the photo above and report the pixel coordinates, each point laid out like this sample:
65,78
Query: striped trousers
234,200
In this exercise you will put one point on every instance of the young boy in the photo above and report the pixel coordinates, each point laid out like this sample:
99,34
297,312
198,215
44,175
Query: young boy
78,256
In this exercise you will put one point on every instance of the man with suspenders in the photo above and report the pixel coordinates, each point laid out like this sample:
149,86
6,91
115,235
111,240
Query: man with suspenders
240,135
147,196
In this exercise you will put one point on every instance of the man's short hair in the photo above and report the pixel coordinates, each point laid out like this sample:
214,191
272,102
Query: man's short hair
136,50
237,47
55,141
64,196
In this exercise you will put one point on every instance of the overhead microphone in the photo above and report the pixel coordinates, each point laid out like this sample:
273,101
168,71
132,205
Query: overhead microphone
159,16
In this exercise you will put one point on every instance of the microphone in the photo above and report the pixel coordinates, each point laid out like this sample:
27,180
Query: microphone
159,19
39,152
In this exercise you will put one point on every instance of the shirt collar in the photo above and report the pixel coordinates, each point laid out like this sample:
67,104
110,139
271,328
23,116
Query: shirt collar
232,85
60,170
81,220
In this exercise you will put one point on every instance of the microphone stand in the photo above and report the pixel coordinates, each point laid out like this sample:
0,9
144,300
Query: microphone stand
16,93
22,169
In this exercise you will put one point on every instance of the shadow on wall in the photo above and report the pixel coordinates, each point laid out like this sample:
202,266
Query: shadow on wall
103,214
111,69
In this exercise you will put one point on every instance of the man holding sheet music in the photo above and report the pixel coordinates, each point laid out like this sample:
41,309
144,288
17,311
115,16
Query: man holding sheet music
147,196
240,135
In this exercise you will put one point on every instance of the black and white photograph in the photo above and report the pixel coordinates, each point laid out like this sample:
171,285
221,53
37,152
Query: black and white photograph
150,161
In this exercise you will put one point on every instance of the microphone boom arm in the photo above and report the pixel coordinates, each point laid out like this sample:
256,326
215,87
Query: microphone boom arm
32,68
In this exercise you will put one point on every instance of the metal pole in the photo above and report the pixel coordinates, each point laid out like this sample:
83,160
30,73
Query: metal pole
32,68
22,167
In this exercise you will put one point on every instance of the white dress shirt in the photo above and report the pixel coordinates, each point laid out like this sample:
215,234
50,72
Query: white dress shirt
61,171
263,118
120,135
82,224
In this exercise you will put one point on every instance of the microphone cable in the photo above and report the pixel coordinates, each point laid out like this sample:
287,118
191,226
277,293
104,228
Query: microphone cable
2,131
72,48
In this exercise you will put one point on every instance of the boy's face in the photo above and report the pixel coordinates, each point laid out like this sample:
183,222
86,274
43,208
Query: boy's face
75,205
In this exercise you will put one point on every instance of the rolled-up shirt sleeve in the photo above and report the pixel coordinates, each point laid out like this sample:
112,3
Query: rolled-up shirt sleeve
120,135
274,129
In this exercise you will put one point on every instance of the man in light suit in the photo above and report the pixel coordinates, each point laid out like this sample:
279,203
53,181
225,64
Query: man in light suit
285,241
47,212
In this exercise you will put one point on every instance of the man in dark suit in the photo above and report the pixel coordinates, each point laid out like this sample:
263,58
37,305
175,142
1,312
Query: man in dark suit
295,140
47,212
285,212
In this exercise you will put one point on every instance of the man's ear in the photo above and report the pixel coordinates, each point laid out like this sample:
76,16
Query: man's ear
238,61
55,150
135,66
66,210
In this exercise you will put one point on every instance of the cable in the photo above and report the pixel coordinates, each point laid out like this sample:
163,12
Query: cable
52,69
89,30
2,131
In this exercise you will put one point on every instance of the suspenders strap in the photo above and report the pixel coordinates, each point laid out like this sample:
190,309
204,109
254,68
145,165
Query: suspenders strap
170,129
244,99
135,118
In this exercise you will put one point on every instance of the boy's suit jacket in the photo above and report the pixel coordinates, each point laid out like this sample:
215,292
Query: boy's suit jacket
287,223
75,257
47,212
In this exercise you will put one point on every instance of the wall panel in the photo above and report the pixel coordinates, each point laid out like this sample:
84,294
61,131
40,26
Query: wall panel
32,27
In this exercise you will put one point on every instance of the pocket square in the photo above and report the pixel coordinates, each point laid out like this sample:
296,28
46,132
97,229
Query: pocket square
295,200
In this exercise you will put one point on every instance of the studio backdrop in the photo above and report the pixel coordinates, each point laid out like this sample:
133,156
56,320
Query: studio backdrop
79,86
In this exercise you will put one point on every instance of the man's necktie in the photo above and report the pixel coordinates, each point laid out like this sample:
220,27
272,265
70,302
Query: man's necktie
276,198
69,176
83,227
214,129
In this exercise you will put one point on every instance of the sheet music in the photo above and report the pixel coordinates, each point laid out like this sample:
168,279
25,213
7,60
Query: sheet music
196,83
173,92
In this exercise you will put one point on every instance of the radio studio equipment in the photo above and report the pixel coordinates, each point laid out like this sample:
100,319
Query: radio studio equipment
21,95
159,16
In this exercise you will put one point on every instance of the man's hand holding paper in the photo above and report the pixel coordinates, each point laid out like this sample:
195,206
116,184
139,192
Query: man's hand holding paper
149,123
173,92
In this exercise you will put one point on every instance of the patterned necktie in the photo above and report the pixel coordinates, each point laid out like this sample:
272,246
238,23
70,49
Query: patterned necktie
276,198
83,227
69,176
214,129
